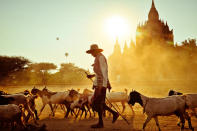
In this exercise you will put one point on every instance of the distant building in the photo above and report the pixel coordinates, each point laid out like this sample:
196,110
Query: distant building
154,56
154,30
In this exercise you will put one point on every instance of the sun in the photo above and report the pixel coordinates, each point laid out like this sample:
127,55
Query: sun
117,26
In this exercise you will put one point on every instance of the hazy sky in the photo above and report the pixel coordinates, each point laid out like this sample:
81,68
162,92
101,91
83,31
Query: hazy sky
29,27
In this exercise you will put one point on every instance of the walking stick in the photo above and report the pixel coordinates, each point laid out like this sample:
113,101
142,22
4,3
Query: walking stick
113,105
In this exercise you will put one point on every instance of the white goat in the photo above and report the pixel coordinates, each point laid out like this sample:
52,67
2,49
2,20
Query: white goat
11,113
50,98
45,96
122,97
155,107
85,100
112,97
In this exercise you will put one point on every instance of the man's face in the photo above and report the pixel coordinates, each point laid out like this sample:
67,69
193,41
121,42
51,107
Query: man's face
94,54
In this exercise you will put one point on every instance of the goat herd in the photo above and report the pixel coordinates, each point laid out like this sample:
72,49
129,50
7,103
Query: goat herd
16,109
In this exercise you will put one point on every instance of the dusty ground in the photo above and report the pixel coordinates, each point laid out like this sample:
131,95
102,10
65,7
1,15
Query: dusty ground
58,123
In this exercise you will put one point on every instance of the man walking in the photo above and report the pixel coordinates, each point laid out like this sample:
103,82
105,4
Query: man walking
100,84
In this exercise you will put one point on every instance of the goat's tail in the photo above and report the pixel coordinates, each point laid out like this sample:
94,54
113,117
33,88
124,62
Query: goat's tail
126,90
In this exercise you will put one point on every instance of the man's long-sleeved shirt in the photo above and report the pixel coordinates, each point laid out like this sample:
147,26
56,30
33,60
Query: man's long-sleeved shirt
101,71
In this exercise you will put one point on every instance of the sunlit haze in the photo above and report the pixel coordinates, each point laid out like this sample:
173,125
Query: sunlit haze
30,28
118,27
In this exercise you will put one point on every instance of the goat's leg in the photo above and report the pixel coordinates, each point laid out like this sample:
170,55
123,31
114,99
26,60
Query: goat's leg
27,117
68,111
55,108
82,111
33,108
83,108
89,110
12,126
123,107
30,112
74,113
94,113
36,114
53,114
131,109
20,123
63,108
157,122
147,120
182,121
194,112
186,115
42,109
77,114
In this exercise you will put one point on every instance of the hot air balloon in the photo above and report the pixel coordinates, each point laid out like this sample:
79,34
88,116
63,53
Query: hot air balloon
66,54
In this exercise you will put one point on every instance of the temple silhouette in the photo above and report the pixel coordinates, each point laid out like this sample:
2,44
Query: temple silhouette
153,56
154,30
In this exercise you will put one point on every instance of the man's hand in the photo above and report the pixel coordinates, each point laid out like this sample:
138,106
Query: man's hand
90,76
93,87
109,89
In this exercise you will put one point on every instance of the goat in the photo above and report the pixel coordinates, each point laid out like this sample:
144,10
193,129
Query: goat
17,99
48,97
31,102
45,96
81,103
121,97
191,100
32,105
11,113
155,107
3,93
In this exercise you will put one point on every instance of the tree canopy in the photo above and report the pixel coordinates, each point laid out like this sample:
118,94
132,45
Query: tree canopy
11,65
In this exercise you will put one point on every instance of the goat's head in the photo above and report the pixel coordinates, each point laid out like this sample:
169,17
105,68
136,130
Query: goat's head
3,93
45,89
26,92
73,93
135,97
172,92
34,91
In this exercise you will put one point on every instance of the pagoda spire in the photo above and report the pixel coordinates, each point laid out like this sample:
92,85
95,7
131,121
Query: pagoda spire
125,46
153,14
125,49
117,49
153,4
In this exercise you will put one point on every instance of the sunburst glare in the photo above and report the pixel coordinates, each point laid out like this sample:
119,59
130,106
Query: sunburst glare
117,26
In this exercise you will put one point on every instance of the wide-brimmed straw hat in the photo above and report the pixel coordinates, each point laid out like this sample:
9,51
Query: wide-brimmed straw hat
94,48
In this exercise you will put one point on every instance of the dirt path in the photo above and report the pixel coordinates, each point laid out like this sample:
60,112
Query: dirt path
58,123
136,121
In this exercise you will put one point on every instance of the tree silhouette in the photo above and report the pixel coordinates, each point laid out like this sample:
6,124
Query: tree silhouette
11,65
42,70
